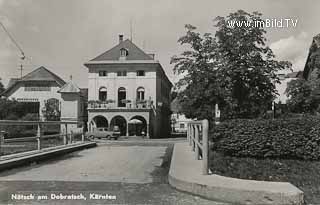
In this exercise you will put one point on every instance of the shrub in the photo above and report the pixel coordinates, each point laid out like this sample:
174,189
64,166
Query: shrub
293,138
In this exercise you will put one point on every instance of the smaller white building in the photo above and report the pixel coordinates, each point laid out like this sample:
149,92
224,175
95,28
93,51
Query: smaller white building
42,87
179,122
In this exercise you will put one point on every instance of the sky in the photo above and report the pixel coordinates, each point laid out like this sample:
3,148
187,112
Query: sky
64,34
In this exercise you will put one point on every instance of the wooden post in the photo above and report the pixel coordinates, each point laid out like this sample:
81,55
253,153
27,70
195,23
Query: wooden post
71,137
205,147
39,136
82,134
1,142
65,139
196,133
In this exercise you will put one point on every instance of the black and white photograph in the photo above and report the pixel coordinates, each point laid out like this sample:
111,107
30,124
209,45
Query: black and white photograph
171,102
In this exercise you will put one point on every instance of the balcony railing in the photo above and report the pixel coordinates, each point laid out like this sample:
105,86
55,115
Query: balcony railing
147,104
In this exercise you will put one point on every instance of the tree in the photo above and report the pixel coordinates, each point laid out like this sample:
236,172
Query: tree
1,87
235,69
304,96
51,110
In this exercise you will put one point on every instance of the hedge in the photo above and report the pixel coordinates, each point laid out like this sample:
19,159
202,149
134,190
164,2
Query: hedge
293,138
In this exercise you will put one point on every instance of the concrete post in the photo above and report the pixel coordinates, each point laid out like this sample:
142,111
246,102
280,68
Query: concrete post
189,130
205,147
147,132
192,137
39,136
196,134
188,133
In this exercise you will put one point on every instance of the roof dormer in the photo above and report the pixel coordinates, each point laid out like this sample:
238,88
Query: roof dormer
123,53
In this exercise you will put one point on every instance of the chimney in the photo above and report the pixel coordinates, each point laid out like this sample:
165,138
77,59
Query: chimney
120,38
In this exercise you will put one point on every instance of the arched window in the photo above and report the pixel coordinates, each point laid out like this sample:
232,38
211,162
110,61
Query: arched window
103,94
123,52
140,93
121,97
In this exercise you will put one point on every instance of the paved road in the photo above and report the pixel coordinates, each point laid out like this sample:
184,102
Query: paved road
134,173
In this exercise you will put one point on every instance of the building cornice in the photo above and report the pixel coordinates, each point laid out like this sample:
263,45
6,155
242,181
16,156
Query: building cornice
122,62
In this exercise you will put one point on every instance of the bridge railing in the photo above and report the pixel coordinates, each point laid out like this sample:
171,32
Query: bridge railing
65,132
197,135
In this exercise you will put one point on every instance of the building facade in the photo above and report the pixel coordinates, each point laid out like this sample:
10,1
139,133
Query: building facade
42,87
129,89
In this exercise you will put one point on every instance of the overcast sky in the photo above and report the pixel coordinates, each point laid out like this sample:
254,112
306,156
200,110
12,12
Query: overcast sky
63,34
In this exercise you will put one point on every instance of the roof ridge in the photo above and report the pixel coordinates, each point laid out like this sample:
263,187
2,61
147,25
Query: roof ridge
113,53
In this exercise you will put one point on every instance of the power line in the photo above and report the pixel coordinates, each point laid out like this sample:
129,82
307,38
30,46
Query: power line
13,40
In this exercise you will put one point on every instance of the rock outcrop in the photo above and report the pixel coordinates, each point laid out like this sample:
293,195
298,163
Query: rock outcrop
312,66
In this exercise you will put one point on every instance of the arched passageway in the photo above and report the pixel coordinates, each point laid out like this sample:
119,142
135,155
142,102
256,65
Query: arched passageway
121,123
138,126
98,121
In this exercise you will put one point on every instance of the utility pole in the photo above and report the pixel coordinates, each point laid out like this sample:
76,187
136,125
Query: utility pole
131,30
21,68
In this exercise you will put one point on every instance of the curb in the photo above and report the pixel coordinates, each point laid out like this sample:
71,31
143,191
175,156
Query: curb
43,155
185,174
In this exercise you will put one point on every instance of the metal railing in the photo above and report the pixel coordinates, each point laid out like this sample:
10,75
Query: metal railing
132,105
67,134
197,135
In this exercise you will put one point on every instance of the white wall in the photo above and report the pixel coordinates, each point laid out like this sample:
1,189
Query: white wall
130,82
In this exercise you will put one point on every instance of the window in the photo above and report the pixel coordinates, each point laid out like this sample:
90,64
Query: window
121,97
140,93
140,73
182,126
122,73
103,94
103,73
123,52
37,87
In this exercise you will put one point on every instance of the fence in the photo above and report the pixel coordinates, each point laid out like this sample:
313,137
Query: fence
64,132
197,135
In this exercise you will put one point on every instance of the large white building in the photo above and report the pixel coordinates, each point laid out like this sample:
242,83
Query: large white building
128,88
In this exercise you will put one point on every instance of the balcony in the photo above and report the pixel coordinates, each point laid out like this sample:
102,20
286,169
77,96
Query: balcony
112,105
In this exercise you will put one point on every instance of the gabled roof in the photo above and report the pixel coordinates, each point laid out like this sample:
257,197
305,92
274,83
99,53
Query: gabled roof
134,53
40,74
70,87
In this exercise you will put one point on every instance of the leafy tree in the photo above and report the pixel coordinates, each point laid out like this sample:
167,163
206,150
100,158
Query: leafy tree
52,111
235,69
304,96
1,87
